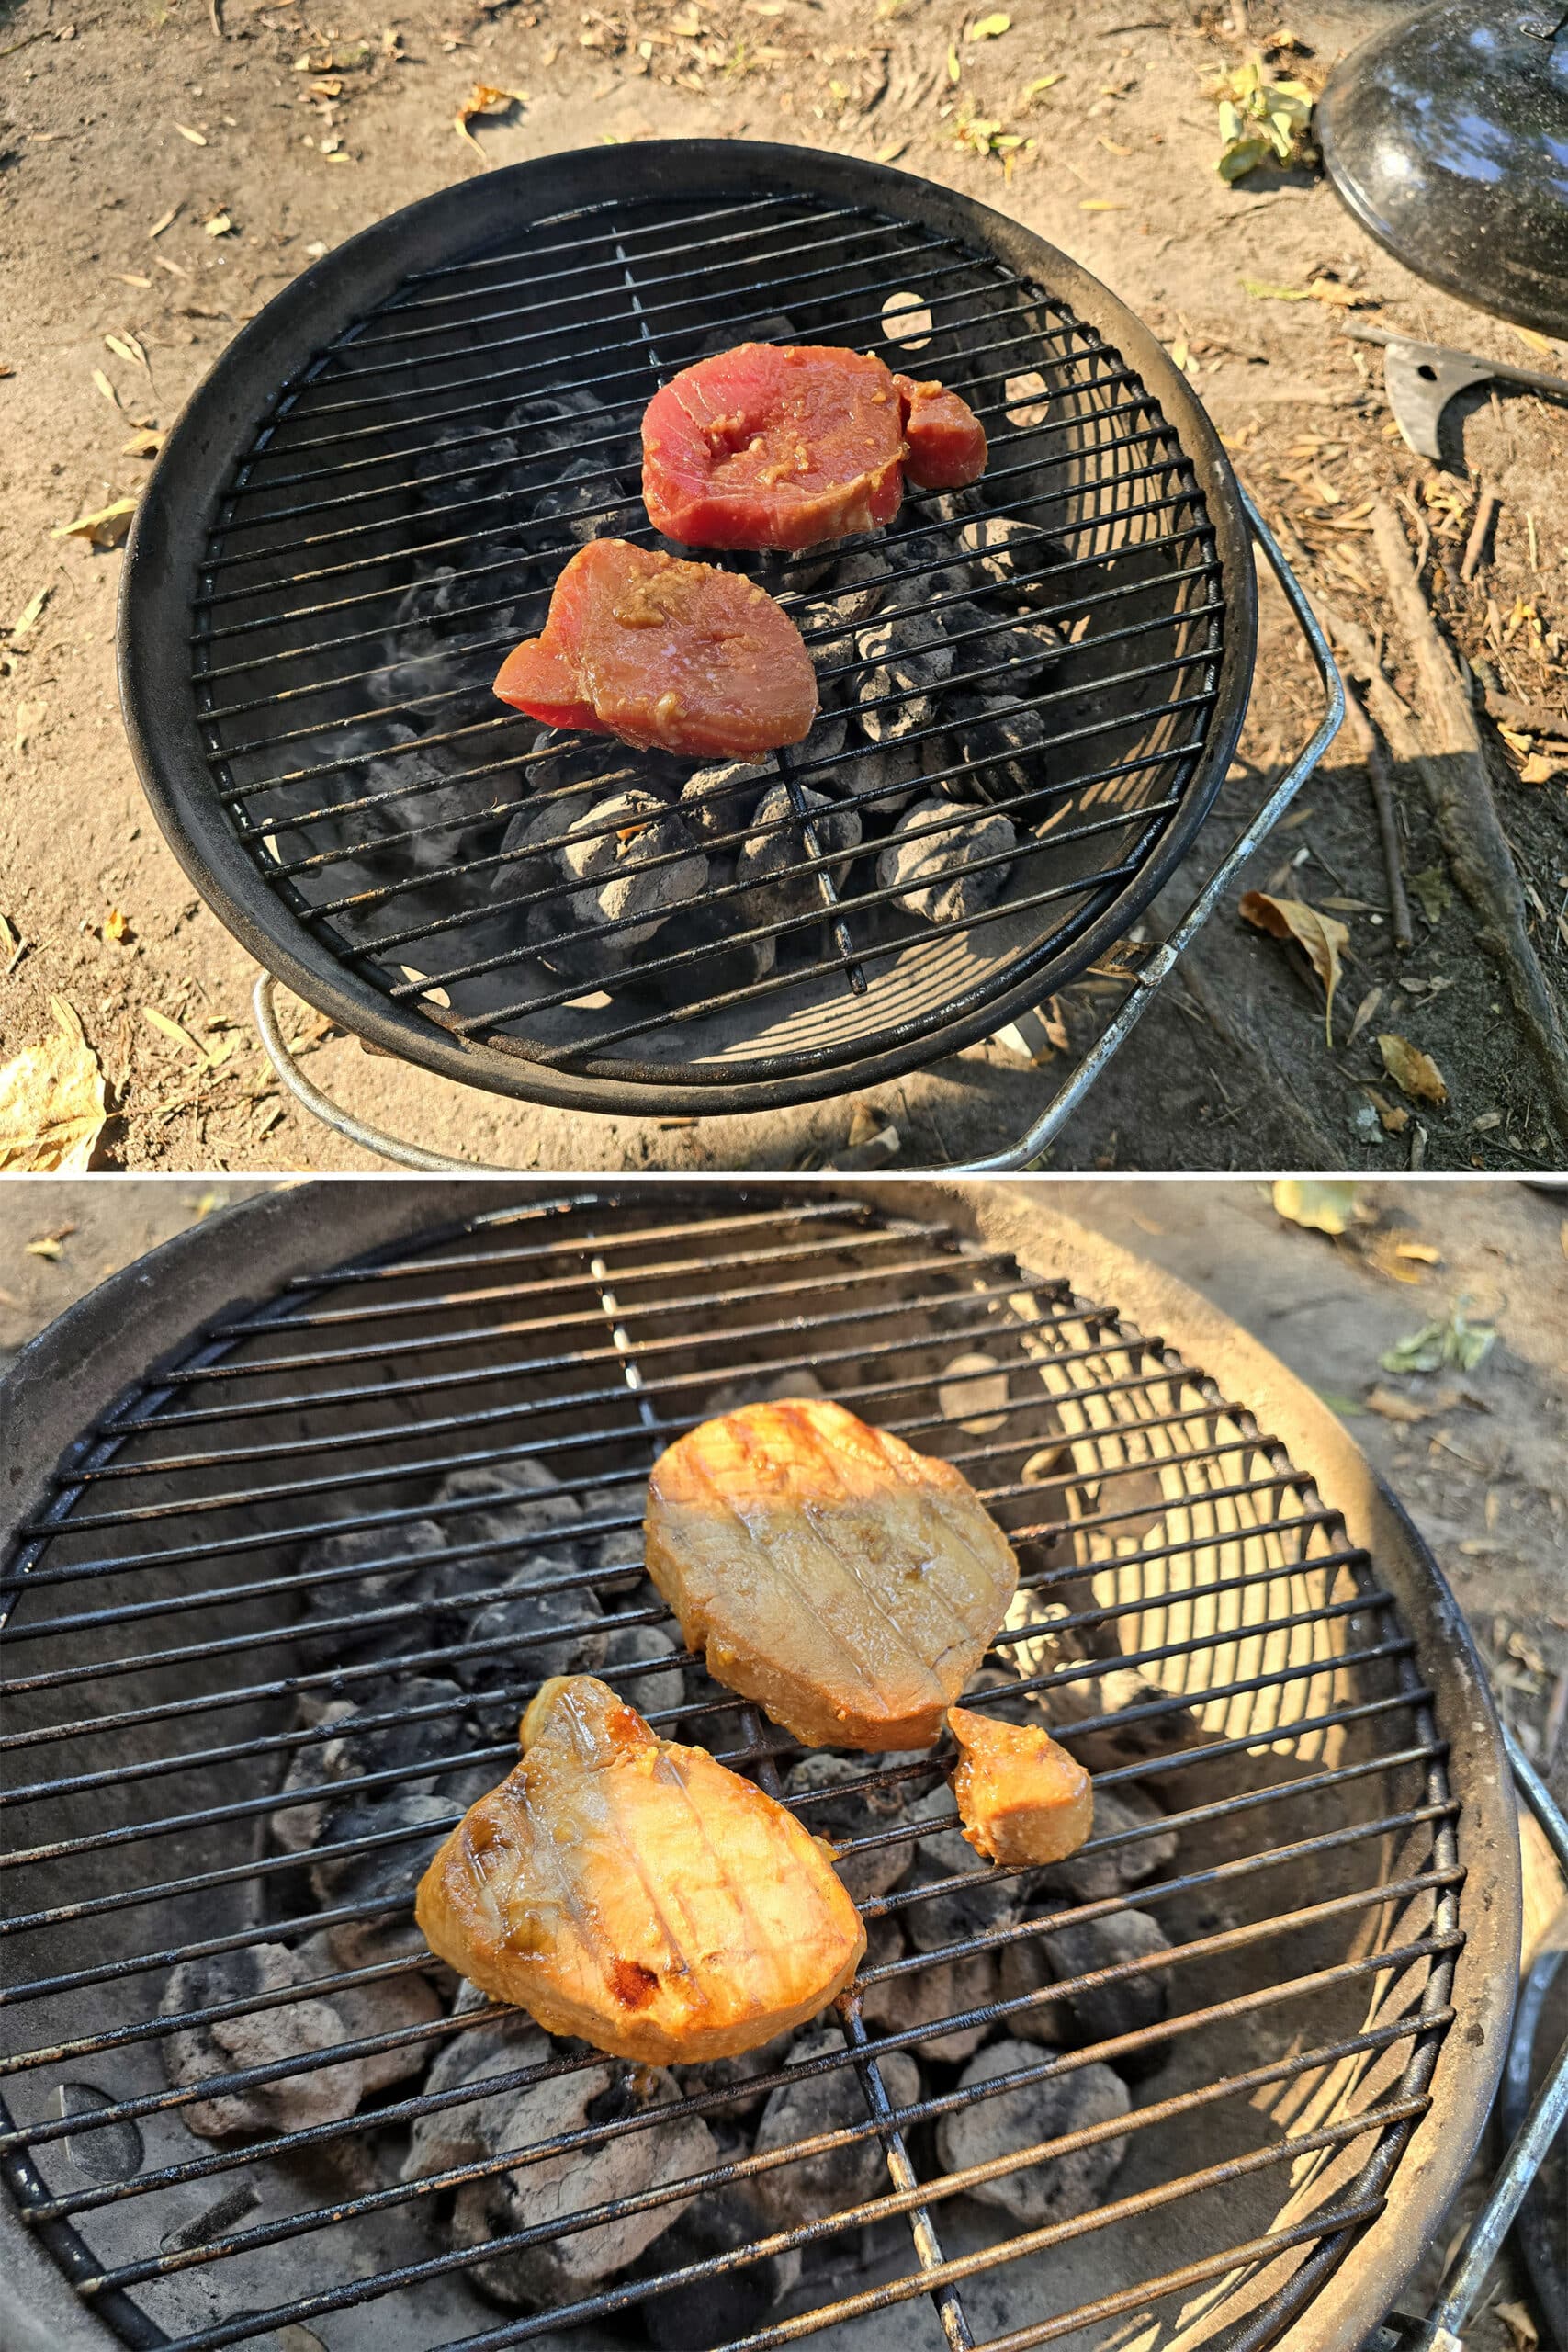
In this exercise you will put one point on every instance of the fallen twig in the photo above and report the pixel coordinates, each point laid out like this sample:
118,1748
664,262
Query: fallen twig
1446,749
1369,744
1527,716
1487,509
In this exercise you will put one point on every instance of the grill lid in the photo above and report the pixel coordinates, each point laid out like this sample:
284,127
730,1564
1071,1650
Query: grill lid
1030,690
255,1666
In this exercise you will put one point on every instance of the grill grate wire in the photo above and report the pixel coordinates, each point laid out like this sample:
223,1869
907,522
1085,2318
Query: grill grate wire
1160,1527
409,867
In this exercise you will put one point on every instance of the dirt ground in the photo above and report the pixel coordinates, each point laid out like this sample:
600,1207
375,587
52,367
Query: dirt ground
1478,1458
297,121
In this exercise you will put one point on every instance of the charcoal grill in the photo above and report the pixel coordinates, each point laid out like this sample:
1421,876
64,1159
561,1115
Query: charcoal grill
1308,1740
368,501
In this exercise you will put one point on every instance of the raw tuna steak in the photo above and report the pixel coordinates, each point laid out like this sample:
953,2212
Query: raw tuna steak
790,444
675,656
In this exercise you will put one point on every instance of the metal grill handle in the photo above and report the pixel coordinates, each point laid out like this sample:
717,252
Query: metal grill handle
1028,1152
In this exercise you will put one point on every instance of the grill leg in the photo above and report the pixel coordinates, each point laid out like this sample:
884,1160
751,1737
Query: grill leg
1026,1152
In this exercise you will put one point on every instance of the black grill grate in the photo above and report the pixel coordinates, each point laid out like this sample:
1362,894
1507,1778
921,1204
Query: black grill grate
395,525
187,1640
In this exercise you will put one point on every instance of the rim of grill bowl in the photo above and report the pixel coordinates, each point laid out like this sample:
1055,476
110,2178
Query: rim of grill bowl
175,1314
951,989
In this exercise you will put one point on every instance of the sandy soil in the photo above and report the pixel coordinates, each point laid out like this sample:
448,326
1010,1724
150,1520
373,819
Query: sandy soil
97,102
1482,1471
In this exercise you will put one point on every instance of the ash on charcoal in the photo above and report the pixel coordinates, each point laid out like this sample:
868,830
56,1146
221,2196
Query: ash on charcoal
772,894
1006,553
1023,1968
391,2005
520,1620
390,1555
1127,2004
438,640
904,659
611,849
466,2132
925,1995
549,2193
990,728
827,2102
1063,2187
715,2311
931,564
268,2037
1006,657
1090,1876
515,1499
888,779
716,802
637,1645
988,1898
1131,1737
859,1812
586,501
735,2074
360,1745
714,961
849,597
385,1875
935,874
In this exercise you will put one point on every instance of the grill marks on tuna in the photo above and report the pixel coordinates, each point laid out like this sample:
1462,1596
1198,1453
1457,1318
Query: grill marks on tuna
846,1583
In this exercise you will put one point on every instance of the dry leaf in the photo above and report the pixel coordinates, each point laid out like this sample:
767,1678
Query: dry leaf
178,1036
217,224
1322,937
953,68
52,1102
115,927
129,347
103,386
1322,1204
104,528
1363,1014
484,100
1043,82
1393,1116
165,220
143,442
989,27
1394,1408
1416,1074
1101,204
195,138
29,614
1514,2316
890,151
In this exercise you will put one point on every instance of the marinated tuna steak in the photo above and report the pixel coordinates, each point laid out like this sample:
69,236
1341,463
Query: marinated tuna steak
847,1584
670,656
1021,1797
790,444
636,1893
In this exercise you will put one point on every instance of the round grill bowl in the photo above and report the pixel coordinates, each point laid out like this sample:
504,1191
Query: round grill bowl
1343,1899
362,509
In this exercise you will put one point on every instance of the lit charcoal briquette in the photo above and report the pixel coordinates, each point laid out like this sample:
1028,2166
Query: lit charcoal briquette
925,1996
612,850
514,1500
1022,1968
1070,2183
556,2269
303,2029
361,1744
1091,1875
446,632
848,598
391,2005
586,501
715,959
1006,555
889,777
988,728
383,1876
1145,1720
772,894
937,874
821,2103
717,803
520,1620
930,564
776,326
905,657
1126,2004
468,2130
736,2074
717,2309
858,1812
648,1693
987,1898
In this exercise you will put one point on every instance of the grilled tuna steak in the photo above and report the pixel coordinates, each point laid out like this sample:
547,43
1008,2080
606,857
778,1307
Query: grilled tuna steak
636,1893
1021,1797
847,1584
